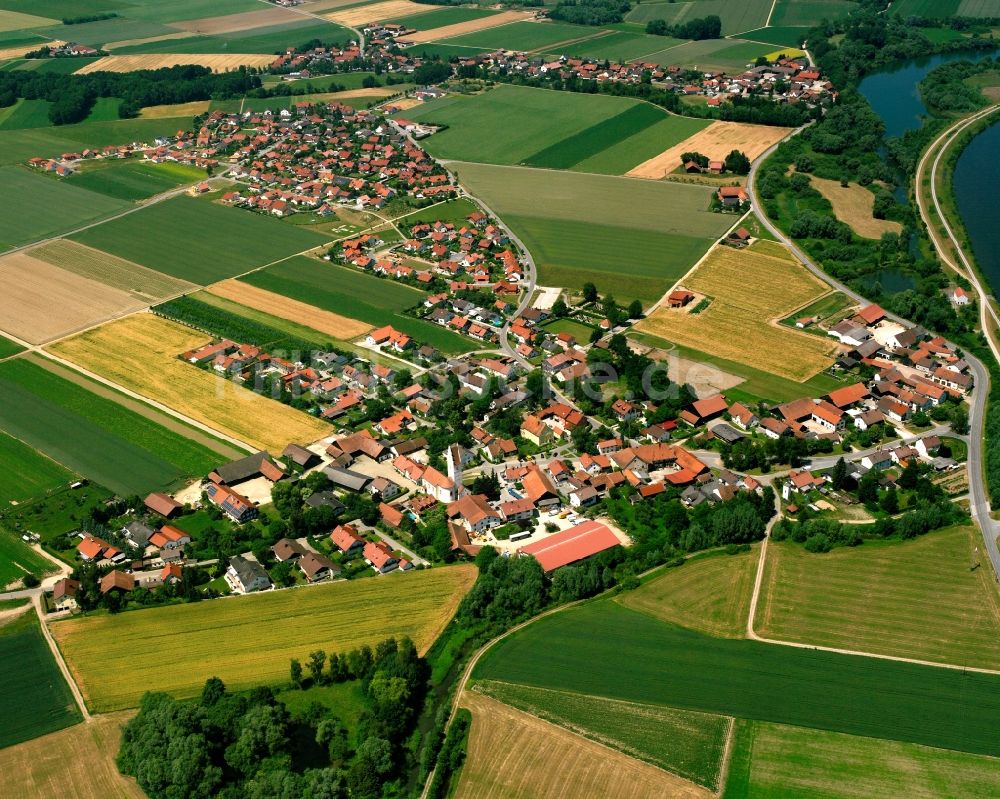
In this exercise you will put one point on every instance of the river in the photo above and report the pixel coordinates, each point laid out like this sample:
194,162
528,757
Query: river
977,174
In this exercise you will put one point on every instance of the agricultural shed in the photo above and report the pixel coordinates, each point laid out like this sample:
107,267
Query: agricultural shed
163,504
247,468
572,545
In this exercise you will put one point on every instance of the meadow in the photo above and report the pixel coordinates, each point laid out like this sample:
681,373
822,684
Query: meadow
916,599
736,17
785,36
376,301
679,741
135,180
263,41
737,325
773,761
636,658
728,55
512,755
142,283
650,233
35,697
197,240
25,473
709,593
540,124
35,206
94,436
248,641
810,12
525,36
617,46
855,206
140,353
18,559
78,762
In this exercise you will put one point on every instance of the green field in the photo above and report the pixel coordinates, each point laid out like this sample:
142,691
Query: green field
273,39
680,741
135,180
8,347
710,594
621,46
101,32
177,10
20,145
428,20
916,599
199,241
633,657
728,55
25,473
582,228
347,291
444,51
774,761
25,114
736,17
810,12
454,211
525,36
36,699
34,206
248,641
576,329
18,559
619,157
545,128
784,36
94,436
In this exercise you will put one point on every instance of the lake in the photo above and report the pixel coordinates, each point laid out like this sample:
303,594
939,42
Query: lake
977,174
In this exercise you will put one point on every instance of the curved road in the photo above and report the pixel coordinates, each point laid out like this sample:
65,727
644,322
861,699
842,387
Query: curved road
979,503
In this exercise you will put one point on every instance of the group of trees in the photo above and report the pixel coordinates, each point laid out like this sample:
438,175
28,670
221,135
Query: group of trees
749,453
591,12
709,27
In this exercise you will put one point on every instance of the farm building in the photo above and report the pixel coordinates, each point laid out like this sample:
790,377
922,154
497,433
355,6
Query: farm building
572,545
162,504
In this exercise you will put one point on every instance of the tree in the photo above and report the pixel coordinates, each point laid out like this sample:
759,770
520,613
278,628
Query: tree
262,734
868,488
488,484
589,292
737,163
635,310
890,501
213,690
295,673
838,477
315,664
373,760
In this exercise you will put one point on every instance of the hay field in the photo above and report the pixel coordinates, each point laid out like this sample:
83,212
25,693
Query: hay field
335,325
40,302
516,756
231,23
377,12
215,61
140,353
248,640
16,20
78,762
471,26
709,594
192,109
716,141
749,291
145,285
853,205
914,599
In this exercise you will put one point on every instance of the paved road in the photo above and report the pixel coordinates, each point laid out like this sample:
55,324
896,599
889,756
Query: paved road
980,504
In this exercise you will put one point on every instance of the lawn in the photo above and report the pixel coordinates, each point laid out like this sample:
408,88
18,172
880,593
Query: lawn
35,697
710,594
679,741
539,122
578,330
526,36
810,12
35,206
199,241
94,436
25,473
774,761
341,289
917,599
736,17
454,211
634,657
140,352
644,233
248,641
737,325
135,180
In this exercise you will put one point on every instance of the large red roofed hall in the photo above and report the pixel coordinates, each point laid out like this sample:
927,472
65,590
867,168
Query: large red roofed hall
572,545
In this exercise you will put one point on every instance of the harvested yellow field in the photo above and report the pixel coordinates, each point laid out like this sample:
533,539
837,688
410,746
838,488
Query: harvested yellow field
853,206
163,37
787,52
140,353
143,284
716,141
15,21
41,302
191,109
334,325
230,23
17,52
404,103
378,12
749,290
216,62
249,640
77,762
471,26
513,755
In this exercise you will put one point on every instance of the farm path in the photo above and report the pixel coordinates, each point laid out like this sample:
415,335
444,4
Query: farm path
980,504
67,675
